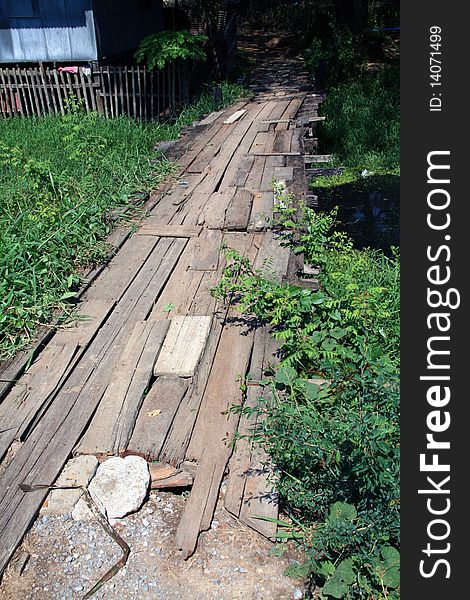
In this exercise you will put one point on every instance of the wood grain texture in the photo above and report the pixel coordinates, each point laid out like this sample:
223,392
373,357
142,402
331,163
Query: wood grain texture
183,346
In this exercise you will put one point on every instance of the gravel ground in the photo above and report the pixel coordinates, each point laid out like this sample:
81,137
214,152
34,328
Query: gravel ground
65,558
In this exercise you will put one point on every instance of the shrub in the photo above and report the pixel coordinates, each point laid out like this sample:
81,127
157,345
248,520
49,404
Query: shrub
331,420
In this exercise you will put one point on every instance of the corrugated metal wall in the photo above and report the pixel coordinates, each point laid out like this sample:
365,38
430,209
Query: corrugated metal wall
47,30
74,30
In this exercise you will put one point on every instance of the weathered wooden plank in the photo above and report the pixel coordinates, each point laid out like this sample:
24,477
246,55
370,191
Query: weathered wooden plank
283,141
235,116
156,416
175,446
243,168
317,158
241,459
276,154
183,346
207,251
112,424
31,394
211,440
47,448
213,214
283,173
239,210
172,231
268,174
213,116
272,258
260,498
261,211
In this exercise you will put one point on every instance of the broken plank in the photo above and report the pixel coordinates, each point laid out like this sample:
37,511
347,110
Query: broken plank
283,140
260,498
238,212
183,346
283,173
235,116
241,174
272,258
207,251
156,416
213,116
268,174
172,231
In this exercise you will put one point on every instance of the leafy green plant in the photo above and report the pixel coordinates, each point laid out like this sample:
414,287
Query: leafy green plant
158,49
331,421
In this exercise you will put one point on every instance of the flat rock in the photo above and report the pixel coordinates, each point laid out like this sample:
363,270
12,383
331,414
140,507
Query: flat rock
77,472
118,488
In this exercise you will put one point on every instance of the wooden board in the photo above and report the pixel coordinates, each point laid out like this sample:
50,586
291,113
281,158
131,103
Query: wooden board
317,158
213,116
174,449
183,346
235,116
261,211
45,451
213,433
268,175
213,215
241,459
207,251
283,173
156,416
238,212
172,231
113,422
276,154
273,259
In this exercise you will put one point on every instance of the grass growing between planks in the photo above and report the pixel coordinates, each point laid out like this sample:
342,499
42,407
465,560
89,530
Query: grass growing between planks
61,179
331,419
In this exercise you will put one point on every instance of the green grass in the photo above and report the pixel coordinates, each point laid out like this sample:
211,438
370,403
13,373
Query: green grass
63,179
362,128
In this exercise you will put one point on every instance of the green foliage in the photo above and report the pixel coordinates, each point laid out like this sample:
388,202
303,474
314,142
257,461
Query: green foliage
158,49
331,421
65,181
363,121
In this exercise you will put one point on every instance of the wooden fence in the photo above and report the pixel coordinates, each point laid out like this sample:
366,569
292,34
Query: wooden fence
111,90
115,90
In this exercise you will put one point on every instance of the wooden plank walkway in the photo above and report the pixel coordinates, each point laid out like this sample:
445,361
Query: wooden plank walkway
156,364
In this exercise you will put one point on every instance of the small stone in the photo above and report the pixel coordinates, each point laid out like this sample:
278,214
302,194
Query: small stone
78,588
145,522
298,594
121,485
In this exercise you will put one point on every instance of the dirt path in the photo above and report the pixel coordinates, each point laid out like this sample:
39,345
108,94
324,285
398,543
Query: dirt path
155,338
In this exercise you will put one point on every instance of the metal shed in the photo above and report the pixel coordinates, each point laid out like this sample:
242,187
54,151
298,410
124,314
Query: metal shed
74,30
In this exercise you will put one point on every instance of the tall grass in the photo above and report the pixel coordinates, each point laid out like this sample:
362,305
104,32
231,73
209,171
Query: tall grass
363,121
61,179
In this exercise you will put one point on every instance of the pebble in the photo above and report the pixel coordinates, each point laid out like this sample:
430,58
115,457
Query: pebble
145,522
78,588
298,594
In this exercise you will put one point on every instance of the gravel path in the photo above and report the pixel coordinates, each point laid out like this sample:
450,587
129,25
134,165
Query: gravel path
62,559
